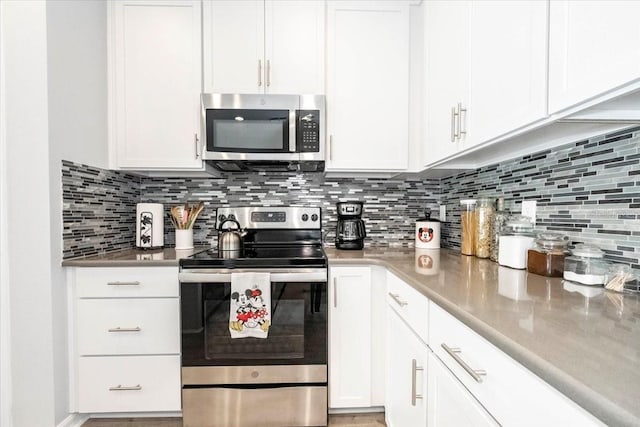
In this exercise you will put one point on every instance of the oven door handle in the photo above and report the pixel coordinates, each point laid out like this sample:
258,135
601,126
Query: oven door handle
306,275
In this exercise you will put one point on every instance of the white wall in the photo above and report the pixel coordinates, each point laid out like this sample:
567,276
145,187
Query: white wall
28,212
77,94
5,362
53,98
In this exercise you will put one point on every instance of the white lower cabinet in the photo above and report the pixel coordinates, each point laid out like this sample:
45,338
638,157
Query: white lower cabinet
129,383
407,358
127,339
450,403
356,337
513,395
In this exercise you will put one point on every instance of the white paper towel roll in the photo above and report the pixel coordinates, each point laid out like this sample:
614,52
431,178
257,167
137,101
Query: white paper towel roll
149,225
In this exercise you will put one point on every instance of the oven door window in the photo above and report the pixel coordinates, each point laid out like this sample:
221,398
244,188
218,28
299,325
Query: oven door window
297,333
248,131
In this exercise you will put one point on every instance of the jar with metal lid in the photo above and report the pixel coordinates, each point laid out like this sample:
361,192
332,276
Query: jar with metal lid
586,265
546,257
499,220
515,240
467,226
484,227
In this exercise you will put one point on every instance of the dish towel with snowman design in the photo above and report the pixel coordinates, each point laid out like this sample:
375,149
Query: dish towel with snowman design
250,308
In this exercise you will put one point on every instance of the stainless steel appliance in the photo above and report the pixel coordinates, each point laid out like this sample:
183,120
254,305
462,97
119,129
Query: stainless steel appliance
350,229
280,380
254,132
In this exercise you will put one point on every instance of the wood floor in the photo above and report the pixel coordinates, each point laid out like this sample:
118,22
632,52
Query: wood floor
347,420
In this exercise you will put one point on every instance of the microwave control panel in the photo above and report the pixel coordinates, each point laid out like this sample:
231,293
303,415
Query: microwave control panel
308,131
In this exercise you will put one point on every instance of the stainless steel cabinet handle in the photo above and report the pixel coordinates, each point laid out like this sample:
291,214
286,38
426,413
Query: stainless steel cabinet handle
330,147
476,374
335,292
462,131
268,73
259,72
125,388
414,370
453,124
397,299
136,283
119,329
456,122
196,141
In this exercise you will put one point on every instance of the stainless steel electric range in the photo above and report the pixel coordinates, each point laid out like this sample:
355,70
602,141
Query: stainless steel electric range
280,378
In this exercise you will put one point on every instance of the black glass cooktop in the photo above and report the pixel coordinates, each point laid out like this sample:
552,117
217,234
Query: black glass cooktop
259,256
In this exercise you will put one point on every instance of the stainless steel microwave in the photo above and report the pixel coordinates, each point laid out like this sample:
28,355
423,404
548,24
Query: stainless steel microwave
274,132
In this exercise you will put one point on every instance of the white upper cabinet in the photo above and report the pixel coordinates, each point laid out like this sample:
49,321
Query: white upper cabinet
367,85
508,67
264,46
294,46
446,84
155,84
594,47
485,72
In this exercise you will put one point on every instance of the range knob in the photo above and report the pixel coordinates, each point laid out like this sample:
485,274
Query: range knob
221,218
314,217
232,216
305,217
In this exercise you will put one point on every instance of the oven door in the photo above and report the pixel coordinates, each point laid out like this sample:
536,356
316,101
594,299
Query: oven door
297,335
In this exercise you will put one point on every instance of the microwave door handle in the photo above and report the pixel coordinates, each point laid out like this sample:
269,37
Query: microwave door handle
292,131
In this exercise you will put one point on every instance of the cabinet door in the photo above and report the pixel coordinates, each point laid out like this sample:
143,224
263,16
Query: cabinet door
406,404
156,61
450,404
367,85
594,46
350,337
234,46
508,67
446,81
294,46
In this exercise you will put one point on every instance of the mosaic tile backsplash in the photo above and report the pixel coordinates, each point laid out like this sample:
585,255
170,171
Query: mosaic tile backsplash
90,227
97,210
589,190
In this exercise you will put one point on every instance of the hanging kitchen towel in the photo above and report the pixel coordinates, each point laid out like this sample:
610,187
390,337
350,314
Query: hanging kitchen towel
250,311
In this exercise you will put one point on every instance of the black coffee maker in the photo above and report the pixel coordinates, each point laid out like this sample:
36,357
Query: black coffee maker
350,231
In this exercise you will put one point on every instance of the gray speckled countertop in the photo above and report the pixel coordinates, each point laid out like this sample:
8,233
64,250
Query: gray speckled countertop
134,258
584,341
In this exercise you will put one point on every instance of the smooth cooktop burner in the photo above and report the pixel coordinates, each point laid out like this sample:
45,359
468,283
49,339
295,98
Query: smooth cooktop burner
259,256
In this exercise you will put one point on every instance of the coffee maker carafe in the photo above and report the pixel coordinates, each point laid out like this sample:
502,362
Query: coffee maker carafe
350,230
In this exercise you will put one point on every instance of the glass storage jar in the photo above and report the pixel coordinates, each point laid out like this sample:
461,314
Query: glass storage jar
499,220
484,227
467,226
546,257
586,265
515,240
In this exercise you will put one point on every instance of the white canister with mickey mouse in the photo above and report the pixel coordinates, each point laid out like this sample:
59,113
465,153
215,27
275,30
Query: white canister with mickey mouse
427,232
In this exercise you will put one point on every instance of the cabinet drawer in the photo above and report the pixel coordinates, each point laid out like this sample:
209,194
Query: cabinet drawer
146,326
129,384
126,282
502,385
411,305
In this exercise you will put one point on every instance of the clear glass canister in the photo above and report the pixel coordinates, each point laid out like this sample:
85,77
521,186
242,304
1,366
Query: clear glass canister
499,220
467,226
484,227
546,258
586,265
516,238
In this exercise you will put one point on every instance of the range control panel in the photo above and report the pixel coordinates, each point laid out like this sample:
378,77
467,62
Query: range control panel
308,131
281,217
